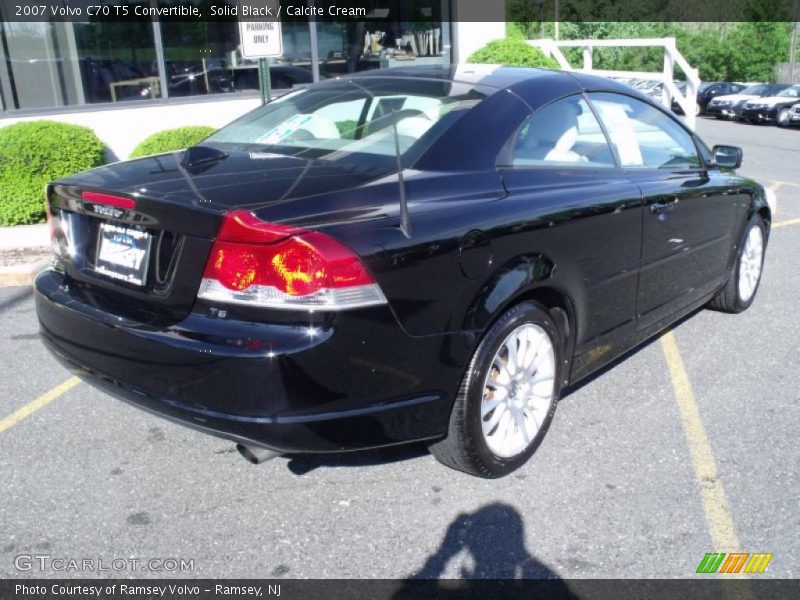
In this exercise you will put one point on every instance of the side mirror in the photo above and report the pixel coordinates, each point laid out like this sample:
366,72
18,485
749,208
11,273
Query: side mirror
727,157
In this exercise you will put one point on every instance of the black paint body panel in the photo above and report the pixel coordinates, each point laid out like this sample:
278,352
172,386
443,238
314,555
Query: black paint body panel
484,236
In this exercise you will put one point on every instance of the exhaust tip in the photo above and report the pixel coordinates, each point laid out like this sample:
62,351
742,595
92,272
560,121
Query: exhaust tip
254,454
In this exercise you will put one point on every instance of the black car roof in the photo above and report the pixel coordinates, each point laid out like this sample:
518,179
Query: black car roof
500,77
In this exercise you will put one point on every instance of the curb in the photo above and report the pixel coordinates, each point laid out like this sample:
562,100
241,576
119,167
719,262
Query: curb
23,274
24,236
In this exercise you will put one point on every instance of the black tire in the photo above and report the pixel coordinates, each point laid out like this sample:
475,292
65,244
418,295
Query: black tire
728,299
783,119
465,448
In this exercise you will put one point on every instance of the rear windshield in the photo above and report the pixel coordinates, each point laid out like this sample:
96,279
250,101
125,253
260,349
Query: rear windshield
373,117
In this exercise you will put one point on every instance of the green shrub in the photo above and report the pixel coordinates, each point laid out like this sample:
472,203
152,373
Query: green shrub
172,139
347,128
512,53
34,153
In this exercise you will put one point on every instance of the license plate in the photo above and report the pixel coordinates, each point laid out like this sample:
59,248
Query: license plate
123,253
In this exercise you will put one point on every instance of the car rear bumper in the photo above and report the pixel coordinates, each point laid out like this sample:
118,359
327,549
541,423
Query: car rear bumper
354,381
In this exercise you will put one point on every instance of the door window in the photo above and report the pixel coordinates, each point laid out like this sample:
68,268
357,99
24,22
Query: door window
563,133
643,136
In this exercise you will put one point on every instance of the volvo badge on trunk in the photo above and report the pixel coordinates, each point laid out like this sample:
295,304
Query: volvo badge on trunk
106,211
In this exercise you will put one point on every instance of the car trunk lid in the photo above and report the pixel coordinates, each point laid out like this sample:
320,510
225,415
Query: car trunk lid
134,237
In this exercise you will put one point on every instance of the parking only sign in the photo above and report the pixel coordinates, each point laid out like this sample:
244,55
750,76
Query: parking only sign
260,38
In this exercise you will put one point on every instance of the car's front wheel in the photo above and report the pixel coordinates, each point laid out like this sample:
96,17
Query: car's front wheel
508,395
784,118
740,290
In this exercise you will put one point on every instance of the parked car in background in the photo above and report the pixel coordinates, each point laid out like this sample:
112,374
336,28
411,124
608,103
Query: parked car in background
214,76
795,115
709,90
655,91
772,109
645,85
715,90
730,106
283,285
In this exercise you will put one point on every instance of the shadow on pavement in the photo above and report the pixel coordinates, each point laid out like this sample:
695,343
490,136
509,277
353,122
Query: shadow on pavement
490,547
16,298
300,464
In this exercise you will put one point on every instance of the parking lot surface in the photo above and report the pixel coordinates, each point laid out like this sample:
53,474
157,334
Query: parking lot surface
687,446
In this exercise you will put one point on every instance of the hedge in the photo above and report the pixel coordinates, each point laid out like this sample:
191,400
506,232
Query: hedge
512,53
172,139
36,152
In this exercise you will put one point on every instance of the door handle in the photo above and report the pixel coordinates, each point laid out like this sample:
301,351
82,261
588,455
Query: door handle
658,208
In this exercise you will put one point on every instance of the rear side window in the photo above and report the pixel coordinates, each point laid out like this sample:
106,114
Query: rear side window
563,133
643,136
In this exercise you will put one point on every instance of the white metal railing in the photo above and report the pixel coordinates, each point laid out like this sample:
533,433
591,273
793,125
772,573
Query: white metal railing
669,91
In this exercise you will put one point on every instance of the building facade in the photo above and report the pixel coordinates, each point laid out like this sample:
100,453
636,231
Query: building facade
128,80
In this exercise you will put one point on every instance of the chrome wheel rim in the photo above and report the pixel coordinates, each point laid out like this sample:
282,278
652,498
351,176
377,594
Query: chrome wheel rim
750,264
783,117
518,390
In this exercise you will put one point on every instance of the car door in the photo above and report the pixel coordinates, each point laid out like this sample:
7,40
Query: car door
688,216
562,173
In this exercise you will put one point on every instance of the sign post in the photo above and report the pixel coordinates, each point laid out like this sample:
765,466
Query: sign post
264,80
261,40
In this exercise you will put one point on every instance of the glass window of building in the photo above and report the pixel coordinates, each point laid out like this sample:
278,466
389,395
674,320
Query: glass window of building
205,57
49,65
397,33
53,64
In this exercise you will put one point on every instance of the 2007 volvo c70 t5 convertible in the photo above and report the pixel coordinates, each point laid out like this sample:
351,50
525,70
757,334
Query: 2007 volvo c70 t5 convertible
426,253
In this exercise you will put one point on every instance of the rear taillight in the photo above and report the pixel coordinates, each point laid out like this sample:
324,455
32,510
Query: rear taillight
263,264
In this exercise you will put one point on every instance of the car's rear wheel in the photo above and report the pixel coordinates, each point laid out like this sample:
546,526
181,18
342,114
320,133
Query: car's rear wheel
784,118
740,290
508,395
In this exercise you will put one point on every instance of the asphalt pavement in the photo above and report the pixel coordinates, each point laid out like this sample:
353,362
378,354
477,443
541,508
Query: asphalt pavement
646,468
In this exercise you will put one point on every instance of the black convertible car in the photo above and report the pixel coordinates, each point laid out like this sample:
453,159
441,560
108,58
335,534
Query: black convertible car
427,253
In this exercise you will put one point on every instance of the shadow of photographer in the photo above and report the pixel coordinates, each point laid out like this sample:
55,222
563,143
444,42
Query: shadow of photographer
490,547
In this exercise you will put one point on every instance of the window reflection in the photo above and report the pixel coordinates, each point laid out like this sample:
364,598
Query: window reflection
399,33
61,64
48,65
206,57
117,61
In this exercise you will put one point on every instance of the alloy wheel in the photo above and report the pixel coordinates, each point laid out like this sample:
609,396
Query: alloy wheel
518,391
750,264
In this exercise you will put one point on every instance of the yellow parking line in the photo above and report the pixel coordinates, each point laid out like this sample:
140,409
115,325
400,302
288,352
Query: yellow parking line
35,405
715,504
785,223
786,183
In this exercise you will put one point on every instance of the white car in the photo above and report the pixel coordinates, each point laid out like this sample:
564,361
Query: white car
795,115
727,107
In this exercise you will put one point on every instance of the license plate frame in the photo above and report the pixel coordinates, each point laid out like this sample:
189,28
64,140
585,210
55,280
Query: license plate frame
123,253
